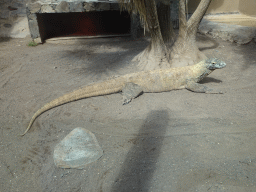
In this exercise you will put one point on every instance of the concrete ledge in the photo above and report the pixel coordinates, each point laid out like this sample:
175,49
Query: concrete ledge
233,33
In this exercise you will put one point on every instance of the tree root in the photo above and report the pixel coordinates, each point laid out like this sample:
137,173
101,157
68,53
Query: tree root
151,59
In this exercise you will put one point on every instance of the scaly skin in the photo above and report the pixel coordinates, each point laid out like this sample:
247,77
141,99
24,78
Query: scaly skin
147,81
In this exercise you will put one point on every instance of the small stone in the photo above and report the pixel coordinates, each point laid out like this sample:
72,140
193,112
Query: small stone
79,148
37,40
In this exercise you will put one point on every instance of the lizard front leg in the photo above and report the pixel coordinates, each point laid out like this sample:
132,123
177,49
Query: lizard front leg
130,91
199,88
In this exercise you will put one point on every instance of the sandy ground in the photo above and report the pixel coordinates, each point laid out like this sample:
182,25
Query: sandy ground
160,142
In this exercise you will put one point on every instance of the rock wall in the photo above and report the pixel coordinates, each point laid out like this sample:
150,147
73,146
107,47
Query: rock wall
13,20
17,16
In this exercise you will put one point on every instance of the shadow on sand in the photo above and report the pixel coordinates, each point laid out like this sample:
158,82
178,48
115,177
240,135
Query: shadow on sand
140,162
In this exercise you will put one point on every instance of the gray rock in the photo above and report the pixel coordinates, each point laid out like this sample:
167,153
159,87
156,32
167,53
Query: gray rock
77,149
76,7
62,7
234,33
34,7
46,8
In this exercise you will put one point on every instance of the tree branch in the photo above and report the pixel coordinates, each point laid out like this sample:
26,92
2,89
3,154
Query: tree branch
195,19
182,17
152,22
165,22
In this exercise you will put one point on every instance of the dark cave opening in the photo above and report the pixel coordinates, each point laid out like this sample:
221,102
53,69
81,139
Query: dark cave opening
83,24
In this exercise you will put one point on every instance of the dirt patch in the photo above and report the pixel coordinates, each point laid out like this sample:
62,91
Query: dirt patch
172,141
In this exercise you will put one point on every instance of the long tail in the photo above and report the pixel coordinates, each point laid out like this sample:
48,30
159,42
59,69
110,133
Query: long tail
104,88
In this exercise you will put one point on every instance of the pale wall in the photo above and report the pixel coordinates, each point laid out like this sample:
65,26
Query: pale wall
217,6
247,7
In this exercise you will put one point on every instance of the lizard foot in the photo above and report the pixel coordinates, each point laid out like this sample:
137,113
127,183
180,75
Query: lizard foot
126,101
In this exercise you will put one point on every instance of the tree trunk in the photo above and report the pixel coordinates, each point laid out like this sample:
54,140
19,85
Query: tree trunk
165,22
163,51
154,56
185,51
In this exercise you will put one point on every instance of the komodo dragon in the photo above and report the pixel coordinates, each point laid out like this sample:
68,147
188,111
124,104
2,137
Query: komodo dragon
132,85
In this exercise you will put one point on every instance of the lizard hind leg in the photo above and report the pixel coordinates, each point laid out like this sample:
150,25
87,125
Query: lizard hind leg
130,91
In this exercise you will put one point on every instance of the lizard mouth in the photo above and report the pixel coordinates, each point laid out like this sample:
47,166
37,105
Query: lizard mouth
221,65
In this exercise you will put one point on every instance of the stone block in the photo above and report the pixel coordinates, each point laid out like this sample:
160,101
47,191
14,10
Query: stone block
62,7
37,40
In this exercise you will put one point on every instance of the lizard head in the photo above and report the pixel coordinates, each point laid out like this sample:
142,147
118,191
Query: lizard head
214,63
